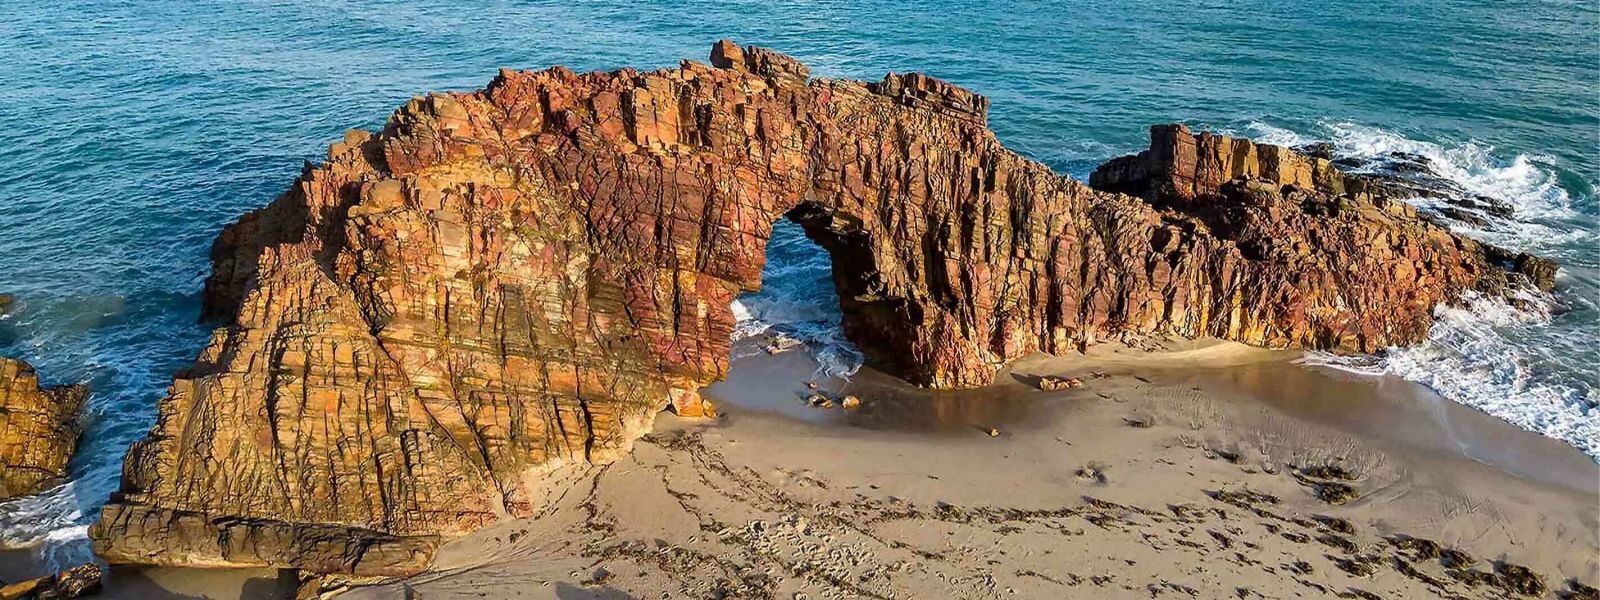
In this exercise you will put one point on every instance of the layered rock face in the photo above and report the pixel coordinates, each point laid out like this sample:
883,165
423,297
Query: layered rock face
1277,204
39,429
505,282
77,582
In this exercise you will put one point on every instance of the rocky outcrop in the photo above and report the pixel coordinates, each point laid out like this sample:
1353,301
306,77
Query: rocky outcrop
1250,193
39,429
505,282
77,582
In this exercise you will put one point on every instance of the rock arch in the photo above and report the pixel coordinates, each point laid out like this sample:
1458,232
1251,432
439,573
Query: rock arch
504,282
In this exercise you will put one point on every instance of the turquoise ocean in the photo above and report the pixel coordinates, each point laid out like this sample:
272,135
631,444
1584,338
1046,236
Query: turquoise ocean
132,131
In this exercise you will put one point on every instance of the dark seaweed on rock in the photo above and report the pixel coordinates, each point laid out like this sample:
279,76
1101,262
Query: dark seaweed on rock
1328,472
1520,579
1420,549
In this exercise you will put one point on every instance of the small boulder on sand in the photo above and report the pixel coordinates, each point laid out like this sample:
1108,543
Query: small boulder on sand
1053,384
781,344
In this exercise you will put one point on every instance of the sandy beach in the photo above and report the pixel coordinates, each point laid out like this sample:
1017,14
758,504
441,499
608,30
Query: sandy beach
799,301
1208,470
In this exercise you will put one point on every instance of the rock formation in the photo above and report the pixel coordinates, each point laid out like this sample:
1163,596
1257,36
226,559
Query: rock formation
505,282
39,429
77,582
1273,202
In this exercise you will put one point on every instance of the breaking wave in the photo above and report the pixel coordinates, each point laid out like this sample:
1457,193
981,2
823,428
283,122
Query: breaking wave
797,303
1530,365
1476,354
1528,184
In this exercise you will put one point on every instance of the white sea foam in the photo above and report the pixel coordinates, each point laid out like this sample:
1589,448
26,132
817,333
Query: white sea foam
797,302
801,322
1470,357
32,519
1505,361
1525,182
51,521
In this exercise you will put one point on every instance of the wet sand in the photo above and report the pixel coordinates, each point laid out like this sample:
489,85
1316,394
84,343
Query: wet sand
1191,472
1171,474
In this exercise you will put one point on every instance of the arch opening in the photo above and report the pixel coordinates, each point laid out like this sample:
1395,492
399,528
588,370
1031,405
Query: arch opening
797,307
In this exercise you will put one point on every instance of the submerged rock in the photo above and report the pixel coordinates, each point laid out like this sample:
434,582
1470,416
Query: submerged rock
39,429
505,282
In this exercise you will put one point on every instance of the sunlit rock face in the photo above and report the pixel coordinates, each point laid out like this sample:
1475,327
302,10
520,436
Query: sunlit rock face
39,429
505,282
1303,213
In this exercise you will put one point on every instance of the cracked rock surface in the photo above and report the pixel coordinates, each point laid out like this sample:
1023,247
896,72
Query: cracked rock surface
505,282
39,429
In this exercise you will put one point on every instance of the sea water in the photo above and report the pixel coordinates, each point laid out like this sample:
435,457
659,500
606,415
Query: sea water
131,132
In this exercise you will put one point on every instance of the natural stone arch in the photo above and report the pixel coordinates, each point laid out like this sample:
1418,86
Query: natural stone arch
510,281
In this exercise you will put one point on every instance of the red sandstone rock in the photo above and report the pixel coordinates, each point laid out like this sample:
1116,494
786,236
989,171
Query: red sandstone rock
39,429
510,281
1248,193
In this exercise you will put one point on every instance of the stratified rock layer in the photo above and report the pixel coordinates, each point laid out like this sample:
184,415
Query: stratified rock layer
39,429
1251,193
504,282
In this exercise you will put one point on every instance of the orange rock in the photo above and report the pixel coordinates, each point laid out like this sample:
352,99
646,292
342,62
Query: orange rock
1051,383
503,282
39,429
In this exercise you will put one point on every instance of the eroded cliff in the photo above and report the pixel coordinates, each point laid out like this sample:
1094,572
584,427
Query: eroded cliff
504,282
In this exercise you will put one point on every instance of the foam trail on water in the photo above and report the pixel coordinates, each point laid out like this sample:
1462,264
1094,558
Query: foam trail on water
53,522
31,519
1470,357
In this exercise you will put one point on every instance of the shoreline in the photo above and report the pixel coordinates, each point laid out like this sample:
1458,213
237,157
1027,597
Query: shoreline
910,498
1108,490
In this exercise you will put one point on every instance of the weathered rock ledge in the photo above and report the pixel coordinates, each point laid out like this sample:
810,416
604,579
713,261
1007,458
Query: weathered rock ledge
510,281
1225,181
39,429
